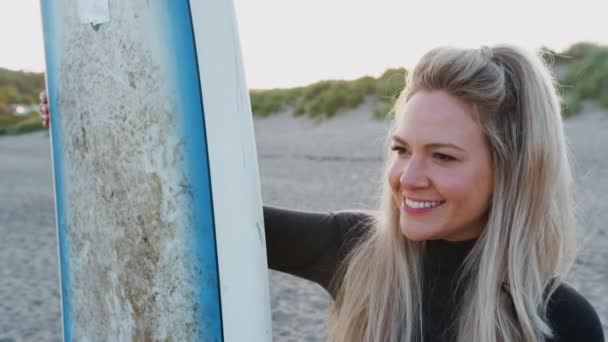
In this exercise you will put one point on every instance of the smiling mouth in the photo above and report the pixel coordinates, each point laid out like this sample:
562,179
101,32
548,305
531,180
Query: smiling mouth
420,205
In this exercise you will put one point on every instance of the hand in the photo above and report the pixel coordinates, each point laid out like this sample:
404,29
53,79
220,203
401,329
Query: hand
44,109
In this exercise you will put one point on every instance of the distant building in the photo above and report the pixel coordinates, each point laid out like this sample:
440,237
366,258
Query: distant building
21,109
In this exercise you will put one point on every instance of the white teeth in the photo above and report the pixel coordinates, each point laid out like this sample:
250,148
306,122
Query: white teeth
417,205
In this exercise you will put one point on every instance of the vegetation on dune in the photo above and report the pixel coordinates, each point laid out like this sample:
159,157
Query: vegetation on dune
571,104
581,69
19,88
389,85
17,125
325,98
586,78
266,102
573,53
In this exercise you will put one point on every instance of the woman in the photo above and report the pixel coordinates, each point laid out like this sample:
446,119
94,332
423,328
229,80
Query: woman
475,229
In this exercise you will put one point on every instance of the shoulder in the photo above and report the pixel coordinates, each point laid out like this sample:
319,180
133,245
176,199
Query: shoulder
354,223
572,317
353,227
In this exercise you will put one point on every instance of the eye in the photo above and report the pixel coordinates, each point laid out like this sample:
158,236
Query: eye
399,150
444,157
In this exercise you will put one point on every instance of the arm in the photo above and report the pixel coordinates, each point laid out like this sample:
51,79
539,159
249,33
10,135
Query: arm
310,245
572,317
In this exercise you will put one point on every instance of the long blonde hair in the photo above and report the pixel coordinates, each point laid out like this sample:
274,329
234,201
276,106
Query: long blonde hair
528,243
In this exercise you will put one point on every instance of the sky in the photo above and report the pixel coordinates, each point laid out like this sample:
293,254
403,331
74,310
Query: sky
290,43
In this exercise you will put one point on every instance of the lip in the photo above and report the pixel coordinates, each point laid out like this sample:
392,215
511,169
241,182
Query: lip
411,210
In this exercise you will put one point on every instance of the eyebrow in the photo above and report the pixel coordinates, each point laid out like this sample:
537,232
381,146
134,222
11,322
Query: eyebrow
431,145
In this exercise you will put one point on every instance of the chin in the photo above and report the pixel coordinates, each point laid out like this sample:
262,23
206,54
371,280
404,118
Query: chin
417,233
416,230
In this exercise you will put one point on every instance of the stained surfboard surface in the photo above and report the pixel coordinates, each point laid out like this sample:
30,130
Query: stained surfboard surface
157,194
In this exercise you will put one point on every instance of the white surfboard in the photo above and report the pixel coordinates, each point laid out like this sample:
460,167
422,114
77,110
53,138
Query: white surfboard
158,204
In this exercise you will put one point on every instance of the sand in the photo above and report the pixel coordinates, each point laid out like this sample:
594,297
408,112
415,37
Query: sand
331,166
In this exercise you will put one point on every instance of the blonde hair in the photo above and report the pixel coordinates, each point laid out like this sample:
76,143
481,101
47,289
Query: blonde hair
528,242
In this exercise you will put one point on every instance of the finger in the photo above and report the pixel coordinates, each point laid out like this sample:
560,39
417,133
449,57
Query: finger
44,109
43,97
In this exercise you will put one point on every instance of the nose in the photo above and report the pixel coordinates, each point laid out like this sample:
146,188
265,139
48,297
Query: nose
413,175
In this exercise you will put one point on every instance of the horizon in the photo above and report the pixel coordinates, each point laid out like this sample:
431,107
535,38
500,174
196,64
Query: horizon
295,44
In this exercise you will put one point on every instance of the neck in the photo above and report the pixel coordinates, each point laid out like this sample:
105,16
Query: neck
445,257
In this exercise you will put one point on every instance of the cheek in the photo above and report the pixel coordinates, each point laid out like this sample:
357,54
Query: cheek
461,185
393,176
467,188
455,187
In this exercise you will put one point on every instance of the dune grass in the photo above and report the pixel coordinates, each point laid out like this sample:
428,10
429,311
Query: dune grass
324,99
583,76
266,102
388,87
16,125
586,79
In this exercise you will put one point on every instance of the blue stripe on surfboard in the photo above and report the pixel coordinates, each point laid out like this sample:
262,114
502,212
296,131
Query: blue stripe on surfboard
48,18
190,99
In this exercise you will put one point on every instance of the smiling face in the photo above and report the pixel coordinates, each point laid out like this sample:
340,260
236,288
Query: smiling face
440,172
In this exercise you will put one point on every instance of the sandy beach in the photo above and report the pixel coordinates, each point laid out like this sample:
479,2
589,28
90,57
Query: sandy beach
331,166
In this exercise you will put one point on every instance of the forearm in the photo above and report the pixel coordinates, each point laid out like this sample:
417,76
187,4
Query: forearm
312,245
304,244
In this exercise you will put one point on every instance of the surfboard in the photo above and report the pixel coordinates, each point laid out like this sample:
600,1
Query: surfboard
157,193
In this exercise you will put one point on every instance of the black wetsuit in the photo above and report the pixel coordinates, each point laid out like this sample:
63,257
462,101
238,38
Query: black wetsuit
312,246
